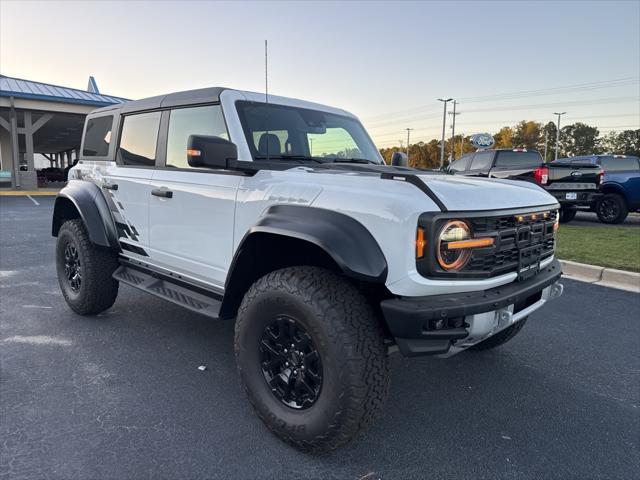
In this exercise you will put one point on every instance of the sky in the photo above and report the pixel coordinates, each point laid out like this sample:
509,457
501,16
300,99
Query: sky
386,62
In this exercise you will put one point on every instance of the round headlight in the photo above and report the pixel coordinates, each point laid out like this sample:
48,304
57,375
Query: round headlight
453,259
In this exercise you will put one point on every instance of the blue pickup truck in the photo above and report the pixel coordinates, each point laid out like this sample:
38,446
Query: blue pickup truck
621,185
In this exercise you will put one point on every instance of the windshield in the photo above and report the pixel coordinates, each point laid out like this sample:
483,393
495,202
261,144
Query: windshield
511,159
279,131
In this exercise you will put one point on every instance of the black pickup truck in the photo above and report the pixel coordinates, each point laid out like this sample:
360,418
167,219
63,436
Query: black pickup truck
574,185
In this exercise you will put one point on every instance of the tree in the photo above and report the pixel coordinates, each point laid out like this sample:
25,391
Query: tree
626,142
527,135
504,138
579,139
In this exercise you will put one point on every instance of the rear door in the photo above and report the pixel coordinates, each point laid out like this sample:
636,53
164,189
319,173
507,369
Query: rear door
192,209
126,183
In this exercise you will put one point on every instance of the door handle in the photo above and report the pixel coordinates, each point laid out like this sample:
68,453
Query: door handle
161,192
110,186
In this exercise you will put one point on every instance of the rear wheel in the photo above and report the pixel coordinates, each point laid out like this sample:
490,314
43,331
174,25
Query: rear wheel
567,214
612,209
85,270
311,356
501,337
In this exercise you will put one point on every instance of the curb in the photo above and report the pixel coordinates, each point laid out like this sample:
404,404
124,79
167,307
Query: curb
606,277
29,193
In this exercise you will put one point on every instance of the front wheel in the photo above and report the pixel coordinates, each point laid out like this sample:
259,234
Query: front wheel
501,337
311,357
85,270
612,209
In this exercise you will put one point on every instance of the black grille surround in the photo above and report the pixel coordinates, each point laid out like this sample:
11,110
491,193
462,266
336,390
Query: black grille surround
512,231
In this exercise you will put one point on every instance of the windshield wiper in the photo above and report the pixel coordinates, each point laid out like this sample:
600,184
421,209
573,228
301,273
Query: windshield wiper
354,160
286,156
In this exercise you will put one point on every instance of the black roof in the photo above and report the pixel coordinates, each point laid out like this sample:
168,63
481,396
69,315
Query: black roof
188,97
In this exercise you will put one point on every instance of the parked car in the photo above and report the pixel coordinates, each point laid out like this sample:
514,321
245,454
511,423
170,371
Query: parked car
284,216
620,188
574,185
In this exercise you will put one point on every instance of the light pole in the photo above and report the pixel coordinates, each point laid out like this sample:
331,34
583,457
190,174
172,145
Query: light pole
444,122
559,114
408,131
453,132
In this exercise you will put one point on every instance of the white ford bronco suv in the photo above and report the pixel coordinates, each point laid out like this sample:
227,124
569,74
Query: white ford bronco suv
282,215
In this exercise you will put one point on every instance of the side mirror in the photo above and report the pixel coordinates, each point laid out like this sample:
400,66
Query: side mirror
399,159
209,151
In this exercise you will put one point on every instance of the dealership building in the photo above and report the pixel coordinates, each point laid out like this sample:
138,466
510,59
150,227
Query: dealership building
40,118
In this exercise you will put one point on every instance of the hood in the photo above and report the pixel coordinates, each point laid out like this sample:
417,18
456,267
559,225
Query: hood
453,192
459,193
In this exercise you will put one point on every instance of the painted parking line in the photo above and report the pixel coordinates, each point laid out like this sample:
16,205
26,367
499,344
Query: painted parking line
32,199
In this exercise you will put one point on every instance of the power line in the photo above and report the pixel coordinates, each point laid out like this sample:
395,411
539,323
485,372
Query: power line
599,101
523,93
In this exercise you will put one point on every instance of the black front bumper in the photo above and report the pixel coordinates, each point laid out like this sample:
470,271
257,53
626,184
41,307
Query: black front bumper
428,325
583,199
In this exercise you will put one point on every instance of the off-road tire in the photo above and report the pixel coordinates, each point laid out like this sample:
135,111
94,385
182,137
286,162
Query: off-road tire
97,290
349,338
501,337
612,209
567,214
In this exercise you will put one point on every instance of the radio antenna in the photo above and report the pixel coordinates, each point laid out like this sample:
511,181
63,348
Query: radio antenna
266,94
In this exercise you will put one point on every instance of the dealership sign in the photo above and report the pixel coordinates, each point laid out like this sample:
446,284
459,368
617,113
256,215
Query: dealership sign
482,140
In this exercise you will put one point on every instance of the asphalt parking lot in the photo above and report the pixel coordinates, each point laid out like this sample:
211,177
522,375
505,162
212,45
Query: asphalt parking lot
119,396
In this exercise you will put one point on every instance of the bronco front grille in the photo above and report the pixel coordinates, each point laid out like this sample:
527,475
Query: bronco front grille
512,232
511,235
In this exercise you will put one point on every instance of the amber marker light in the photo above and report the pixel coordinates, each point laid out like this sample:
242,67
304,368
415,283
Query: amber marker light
472,243
420,242
193,153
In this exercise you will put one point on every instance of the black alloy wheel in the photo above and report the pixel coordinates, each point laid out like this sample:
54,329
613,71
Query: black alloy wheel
290,363
608,210
72,267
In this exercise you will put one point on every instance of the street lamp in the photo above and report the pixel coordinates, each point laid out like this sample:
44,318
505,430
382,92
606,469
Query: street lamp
559,114
444,121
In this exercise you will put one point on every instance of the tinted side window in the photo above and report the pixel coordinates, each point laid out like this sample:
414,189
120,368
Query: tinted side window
138,139
97,136
482,161
613,164
206,120
460,164
518,159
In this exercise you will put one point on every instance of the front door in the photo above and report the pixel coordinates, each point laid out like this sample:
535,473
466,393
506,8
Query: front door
191,210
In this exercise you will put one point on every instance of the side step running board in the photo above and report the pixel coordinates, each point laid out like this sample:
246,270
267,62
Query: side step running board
178,294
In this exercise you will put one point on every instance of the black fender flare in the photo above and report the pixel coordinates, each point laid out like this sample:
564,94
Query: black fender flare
343,238
88,200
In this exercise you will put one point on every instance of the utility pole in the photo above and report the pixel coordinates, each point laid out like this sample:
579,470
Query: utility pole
453,132
408,131
444,122
559,114
461,144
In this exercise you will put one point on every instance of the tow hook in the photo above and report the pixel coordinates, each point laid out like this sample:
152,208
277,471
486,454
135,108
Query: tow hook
556,290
